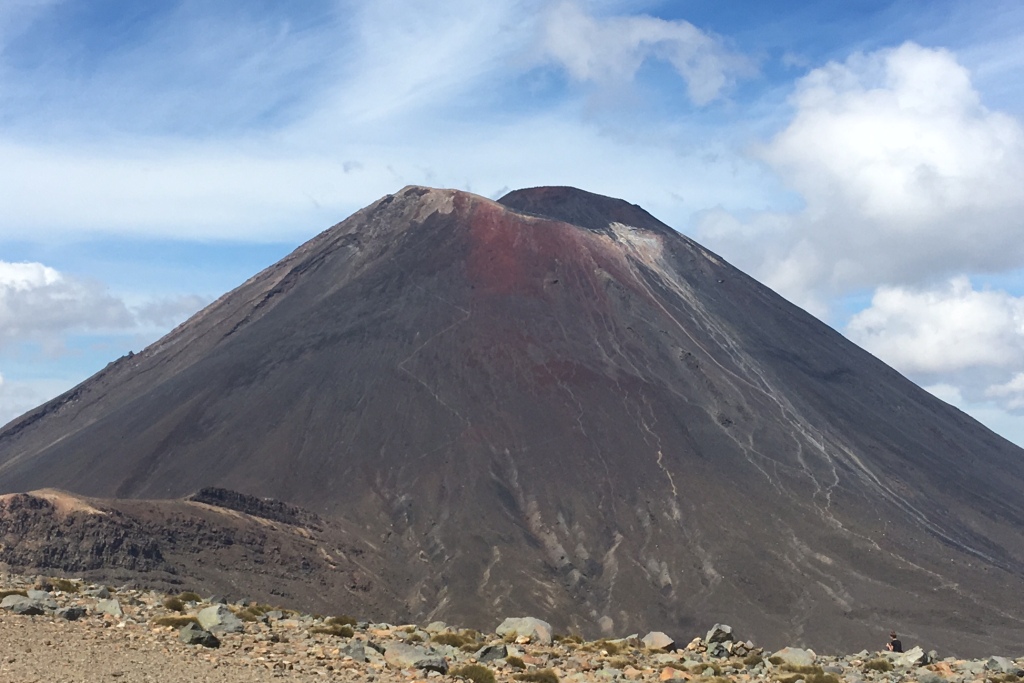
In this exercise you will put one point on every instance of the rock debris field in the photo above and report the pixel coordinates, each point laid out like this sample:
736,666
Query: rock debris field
57,630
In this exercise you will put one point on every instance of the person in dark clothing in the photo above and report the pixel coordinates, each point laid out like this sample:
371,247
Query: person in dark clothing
894,644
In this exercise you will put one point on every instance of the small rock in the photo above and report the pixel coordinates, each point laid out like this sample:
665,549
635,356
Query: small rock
537,630
100,592
71,613
193,634
436,627
656,640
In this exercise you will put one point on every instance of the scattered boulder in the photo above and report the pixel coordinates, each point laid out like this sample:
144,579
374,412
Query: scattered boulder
100,592
656,640
42,598
913,657
536,630
19,604
1003,665
719,633
435,663
795,656
490,653
355,650
436,627
194,634
71,613
111,607
405,656
219,619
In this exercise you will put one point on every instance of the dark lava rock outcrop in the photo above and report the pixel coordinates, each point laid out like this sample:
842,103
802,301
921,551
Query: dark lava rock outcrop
556,405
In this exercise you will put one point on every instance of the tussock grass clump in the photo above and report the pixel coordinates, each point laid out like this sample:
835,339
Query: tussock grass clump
564,639
880,664
620,663
340,630
341,620
776,660
539,676
449,639
174,603
4,594
752,660
189,596
819,677
794,668
704,666
176,620
515,662
414,638
65,585
474,672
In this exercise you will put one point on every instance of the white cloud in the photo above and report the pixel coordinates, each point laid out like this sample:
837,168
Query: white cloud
613,49
38,303
904,173
1011,392
942,330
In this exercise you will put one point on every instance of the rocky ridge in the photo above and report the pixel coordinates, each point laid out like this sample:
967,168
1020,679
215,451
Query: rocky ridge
140,635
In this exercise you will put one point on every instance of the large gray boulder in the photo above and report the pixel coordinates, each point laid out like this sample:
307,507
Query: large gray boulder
219,619
719,633
490,653
537,630
42,598
193,634
656,640
111,607
19,604
913,657
1003,665
406,656
794,656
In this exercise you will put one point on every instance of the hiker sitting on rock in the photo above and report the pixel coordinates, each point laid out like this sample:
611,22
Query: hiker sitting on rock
894,644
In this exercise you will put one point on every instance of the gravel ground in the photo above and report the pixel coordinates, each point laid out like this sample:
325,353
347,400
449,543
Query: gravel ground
50,650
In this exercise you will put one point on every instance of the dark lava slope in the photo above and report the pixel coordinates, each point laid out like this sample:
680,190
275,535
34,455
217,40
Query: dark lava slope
554,404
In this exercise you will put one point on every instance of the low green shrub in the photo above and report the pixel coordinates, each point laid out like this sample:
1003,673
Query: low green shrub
176,620
450,639
189,596
340,630
65,585
474,672
539,676
174,603
880,664
515,662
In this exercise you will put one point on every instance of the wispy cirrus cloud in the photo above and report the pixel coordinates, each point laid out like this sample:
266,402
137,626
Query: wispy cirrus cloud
612,49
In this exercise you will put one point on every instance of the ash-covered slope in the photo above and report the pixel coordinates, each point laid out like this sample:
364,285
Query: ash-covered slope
556,404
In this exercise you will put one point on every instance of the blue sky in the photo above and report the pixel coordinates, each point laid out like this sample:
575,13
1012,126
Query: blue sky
861,157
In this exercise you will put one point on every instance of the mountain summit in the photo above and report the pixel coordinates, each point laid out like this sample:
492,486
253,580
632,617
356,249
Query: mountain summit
556,404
